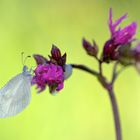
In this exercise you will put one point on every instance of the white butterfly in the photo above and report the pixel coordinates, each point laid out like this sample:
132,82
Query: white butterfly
16,94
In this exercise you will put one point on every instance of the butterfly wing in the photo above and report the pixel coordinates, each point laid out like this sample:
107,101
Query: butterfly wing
15,96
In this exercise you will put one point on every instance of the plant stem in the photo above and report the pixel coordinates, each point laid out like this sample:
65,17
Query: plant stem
108,87
115,114
85,68
100,67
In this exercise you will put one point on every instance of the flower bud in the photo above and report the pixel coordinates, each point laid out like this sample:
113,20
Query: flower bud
56,57
109,51
91,49
55,52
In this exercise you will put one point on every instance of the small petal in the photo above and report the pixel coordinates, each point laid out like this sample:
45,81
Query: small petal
63,58
125,35
59,87
40,59
113,26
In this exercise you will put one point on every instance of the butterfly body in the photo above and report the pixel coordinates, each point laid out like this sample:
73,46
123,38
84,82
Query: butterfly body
16,94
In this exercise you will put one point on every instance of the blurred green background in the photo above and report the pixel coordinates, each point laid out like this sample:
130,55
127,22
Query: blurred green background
82,110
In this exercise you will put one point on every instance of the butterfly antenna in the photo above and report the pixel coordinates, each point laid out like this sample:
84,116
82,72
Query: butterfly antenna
23,60
22,56
26,59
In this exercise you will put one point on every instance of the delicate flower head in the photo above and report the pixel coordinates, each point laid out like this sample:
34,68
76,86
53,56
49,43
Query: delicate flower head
49,74
124,35
119,37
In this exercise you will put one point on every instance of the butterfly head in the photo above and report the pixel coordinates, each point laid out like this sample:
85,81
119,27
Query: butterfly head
26,71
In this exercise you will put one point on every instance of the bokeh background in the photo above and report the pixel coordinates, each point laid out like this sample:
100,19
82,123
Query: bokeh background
82,110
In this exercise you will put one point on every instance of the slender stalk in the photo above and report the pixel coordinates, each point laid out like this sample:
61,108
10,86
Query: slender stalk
100,67
116,115
108,87
85,68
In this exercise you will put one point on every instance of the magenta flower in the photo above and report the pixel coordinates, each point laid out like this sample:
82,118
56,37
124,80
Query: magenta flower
49,75
124,35
51,72
119,37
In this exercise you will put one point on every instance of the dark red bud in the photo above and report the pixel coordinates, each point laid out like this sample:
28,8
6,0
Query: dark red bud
56,57
55,52
62,60
109,51
91,49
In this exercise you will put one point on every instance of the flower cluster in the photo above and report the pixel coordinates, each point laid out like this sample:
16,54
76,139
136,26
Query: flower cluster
119,47
119,37
51,73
